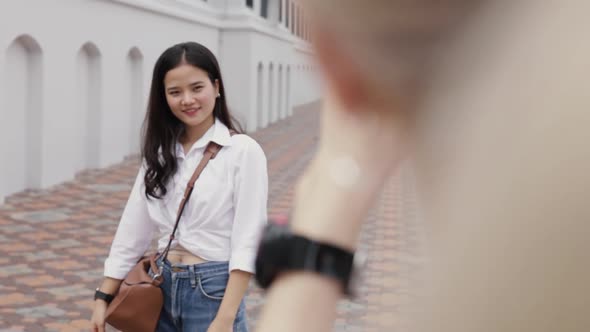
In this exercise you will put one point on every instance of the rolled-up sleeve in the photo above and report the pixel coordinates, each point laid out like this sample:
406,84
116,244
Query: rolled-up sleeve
134,233
250,205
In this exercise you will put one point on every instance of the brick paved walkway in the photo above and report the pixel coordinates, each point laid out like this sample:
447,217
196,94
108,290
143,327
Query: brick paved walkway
54,242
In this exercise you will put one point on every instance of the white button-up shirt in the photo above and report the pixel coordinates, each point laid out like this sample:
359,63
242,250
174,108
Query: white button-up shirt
223,219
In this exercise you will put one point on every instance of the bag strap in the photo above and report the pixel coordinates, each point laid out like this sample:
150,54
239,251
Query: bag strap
209,154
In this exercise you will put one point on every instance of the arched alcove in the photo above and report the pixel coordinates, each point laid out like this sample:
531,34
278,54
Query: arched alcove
89,91
136,100
22,116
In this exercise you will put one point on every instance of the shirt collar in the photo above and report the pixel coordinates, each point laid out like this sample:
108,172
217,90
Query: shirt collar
221,135
218,133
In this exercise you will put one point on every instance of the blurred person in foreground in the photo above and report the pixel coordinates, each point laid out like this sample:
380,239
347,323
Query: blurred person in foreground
491,100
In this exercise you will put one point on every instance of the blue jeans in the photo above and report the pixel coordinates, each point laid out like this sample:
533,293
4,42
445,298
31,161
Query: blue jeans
192,296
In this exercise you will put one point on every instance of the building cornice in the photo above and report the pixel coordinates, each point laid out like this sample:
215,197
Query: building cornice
197,12
232,20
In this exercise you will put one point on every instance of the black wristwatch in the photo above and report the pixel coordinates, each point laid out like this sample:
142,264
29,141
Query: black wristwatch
280,250
108,298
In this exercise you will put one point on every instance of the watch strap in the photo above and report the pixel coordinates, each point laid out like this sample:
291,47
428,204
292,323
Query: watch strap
108,298
281,250
322,258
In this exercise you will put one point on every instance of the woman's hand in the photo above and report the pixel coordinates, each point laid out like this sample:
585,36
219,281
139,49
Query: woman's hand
109,286
98,316
221,325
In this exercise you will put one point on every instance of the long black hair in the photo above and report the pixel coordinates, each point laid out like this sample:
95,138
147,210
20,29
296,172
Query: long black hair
161,129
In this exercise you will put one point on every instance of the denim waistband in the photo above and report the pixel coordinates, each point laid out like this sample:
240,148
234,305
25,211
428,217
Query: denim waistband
187,271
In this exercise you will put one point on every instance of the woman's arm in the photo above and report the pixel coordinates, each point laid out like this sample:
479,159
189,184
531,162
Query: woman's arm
304,301
134,233
250,203
356,154
131,241
235,291
110,285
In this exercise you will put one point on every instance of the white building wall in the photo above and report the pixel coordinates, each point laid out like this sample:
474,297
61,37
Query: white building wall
75,75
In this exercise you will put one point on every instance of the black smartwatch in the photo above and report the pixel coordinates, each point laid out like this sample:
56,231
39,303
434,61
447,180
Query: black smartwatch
280,250
108,298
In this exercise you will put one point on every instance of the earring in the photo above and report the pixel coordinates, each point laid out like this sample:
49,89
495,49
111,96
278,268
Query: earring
218,94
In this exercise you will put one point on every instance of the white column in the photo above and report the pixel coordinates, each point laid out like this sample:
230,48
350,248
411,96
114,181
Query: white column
289,89
297,19
257,7
280,94
273,11
256,113
291,16
263,119
275,98
284,11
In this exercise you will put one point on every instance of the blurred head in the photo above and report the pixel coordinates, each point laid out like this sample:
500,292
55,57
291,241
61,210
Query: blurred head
187,92
505,110
377,53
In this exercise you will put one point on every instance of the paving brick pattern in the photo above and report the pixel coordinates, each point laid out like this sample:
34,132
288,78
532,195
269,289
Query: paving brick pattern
54,242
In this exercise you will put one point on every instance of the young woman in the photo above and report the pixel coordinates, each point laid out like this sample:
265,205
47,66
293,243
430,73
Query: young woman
211,261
